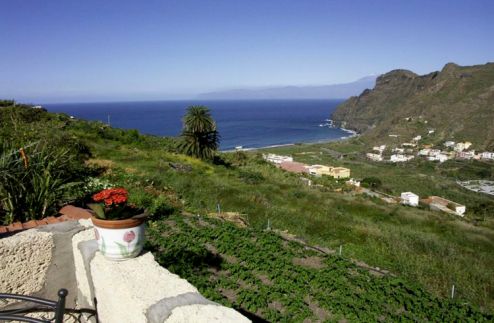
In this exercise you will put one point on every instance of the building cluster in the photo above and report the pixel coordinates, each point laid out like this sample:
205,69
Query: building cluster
407,198
287,163
409,150
277,159
435,203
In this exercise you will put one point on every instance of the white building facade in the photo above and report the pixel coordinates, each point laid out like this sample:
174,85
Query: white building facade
408,198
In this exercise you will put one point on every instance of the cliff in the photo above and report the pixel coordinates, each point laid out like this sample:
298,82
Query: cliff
457,102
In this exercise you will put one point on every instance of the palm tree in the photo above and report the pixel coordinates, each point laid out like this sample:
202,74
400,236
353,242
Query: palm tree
199,134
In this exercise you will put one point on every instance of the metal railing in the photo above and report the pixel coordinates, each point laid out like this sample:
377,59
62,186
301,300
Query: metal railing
57,306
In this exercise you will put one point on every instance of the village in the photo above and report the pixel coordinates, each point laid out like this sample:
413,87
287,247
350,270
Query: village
409,150
434,203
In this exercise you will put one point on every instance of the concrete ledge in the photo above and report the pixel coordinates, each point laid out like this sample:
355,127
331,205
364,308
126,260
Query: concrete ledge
38,262
24,261
139,290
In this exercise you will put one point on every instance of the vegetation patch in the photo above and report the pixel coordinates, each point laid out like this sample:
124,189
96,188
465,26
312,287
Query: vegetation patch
281,282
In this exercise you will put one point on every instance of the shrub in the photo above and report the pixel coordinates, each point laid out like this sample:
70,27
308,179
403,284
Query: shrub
250,177
239,158
156,206
371,182
35,180
141,198
162,206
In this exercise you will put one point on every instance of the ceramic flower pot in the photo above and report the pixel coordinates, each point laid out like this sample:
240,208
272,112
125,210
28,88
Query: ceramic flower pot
120,239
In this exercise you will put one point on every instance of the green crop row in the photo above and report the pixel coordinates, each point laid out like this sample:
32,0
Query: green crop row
264,276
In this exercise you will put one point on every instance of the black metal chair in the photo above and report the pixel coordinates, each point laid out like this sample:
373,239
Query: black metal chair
57,306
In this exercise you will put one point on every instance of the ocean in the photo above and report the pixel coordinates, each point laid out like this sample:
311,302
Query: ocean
249,123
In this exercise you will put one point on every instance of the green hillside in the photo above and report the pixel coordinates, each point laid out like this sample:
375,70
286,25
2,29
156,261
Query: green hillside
426,252
457,102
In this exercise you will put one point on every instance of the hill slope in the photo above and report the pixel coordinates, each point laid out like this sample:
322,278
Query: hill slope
424,248
458,102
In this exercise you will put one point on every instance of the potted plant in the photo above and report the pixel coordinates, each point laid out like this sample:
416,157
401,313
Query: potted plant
118,226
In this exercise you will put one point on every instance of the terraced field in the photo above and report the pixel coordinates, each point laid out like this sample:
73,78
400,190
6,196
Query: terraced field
269,278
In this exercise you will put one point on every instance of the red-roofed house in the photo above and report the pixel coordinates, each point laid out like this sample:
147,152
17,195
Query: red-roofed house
294,167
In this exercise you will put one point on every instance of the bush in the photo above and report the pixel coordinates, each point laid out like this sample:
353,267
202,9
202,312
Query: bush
371,182
161,206
250,177
36,180
156,206
141,198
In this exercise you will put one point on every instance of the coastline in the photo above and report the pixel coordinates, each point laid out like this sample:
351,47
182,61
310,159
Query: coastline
352,134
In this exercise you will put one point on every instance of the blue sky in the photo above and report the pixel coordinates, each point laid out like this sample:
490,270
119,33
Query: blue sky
54,51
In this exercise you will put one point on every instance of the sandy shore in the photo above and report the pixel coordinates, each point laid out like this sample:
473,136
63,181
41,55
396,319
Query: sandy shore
351,133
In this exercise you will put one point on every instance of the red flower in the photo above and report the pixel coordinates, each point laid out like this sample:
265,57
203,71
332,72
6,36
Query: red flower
129,236
112,196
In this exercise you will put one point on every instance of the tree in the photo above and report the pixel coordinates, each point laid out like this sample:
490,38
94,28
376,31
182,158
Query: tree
199,135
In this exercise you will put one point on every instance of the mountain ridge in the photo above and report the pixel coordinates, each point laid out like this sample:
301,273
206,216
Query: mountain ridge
456,102
333,91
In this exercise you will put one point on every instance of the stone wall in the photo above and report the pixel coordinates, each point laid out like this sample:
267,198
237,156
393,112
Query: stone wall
38,262
139,289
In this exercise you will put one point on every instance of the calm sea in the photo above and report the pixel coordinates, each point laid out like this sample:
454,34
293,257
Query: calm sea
251,124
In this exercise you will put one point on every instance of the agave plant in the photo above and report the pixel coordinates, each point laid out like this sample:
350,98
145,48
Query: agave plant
34,180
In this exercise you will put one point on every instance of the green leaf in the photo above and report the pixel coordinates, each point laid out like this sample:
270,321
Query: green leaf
98,209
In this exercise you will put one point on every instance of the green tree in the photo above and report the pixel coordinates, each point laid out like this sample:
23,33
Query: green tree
199,135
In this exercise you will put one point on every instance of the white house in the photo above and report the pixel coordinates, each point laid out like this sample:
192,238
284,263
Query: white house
398,158
431,131
277,159
449,143
466,154
442,158
409,144
353,182
424,152
439,157
434,152
487,155
399,150
374,157
461,146
408,198
417,138
380,149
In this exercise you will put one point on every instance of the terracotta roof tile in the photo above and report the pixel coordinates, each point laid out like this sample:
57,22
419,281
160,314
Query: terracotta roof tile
294,167
29,224
15,226
69,213
75,213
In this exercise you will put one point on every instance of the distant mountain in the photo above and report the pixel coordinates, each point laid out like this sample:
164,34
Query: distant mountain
457,102
335,91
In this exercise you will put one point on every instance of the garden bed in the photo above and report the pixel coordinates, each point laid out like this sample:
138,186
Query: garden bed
267,278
